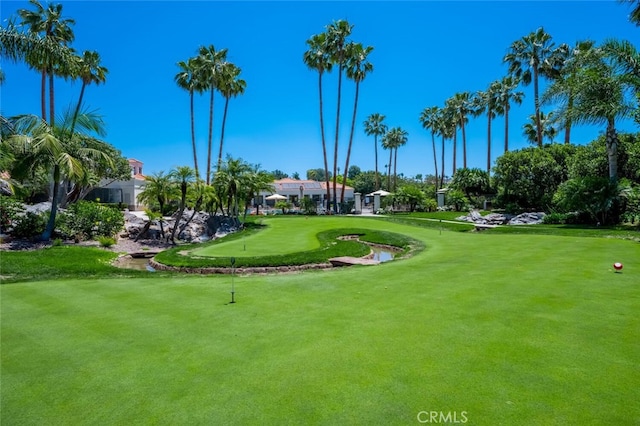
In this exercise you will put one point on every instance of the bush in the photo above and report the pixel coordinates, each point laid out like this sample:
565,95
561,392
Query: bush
30,225
88,220
593,195
10,210
457,199
106,241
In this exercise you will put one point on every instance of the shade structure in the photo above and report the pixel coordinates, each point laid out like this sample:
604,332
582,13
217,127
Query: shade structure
380,192
275,197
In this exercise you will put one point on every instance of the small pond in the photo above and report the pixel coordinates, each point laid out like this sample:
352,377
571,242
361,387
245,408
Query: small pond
382,254
137,263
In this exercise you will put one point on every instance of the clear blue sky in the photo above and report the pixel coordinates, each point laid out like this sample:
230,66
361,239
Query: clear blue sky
424,53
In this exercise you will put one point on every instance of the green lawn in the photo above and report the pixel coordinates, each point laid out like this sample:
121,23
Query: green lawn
510,329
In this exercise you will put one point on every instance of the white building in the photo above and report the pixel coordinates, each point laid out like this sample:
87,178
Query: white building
122,191
294,190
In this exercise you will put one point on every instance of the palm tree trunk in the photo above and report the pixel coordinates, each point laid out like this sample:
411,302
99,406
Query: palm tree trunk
335,146
567,127
375,150
442,162
506,126
395,166
43,98
612,150
389,170
489,113
210,136
224,121
464,142
51,100
51,223
435,157
353,126
324,143
77,111
536,100
455,149
193,135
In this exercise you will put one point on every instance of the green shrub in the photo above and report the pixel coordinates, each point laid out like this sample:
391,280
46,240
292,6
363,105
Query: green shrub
29,225
106,241
555,218
457,199
88,219
10,210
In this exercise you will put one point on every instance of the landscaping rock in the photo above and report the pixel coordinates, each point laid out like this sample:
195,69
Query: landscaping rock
528,219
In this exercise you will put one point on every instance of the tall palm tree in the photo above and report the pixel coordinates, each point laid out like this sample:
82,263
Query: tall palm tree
374,126
528,59
89,71
548,129
486,101
187,79
16,45
357,69
429,119
318,58
506,94
392,140
450,112
602,94
462,103
388,142
230,85
337,34
209,63
182,177
51,25
55,149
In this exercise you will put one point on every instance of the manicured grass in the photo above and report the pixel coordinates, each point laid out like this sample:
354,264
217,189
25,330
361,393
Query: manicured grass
278,242
511,329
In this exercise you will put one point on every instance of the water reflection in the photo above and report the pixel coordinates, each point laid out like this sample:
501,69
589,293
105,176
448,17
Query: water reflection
381,254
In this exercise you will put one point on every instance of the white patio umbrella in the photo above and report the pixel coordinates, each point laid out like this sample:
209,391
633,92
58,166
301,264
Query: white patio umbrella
380,192
275,197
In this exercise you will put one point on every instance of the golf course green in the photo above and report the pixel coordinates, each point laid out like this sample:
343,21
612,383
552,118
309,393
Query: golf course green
489,328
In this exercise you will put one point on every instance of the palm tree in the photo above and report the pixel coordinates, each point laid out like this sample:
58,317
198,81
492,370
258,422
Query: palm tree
392,140
187,79
462,104
50,23
255,181
40,145
228,183
429,119
209,63
374,126
528,59
548,130
634,16
337,34
229,85
602,94
317,58
487,101
158,188
17,46
506,93
89,71
450,113
182,177
357,69
388,143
